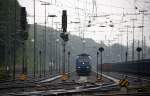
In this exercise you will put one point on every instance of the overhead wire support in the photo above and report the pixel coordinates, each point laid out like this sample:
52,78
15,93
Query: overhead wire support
122,19
97,65
142,26
45,41
34,69
94,10
15,18
133,27
127,38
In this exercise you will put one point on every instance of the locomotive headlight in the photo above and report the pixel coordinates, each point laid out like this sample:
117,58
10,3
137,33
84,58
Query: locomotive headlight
79,67
87,67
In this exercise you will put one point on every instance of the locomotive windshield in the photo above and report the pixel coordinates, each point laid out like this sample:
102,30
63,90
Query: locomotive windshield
84,58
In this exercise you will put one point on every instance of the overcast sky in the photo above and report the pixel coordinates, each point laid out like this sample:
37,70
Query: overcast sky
100,13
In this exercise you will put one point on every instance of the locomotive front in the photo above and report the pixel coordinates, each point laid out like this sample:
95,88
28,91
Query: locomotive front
83,65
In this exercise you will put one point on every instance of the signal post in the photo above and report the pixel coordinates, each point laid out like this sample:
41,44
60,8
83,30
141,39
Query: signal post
65,38
24,34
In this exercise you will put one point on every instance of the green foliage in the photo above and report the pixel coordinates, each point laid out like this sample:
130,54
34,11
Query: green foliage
9,24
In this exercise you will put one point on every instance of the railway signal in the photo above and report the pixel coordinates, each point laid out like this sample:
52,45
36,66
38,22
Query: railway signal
24,34
64,34
64,21
97,77
65,38
101,49
139,49
23,23
23,20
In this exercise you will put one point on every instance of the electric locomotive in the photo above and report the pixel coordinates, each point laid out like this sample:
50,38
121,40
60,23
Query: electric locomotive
83,64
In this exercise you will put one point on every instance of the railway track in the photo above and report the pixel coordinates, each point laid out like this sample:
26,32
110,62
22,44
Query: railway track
54,86
79,89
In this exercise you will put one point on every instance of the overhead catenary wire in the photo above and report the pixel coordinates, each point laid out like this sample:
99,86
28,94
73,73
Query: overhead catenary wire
71,7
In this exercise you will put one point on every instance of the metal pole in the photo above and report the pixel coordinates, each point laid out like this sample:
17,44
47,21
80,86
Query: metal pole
34,40
143,11
9,59
8,50
142,35
64,57
25,59
37,62
50,58
121,48
65,39
51,49
133,31
133,42
35,49
97,66
138,62
126,54
101,49
23,55
45,44
56,58
60,59
40,64
101,65
138,66
14,63
69,62
127,46
144,46
6,60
